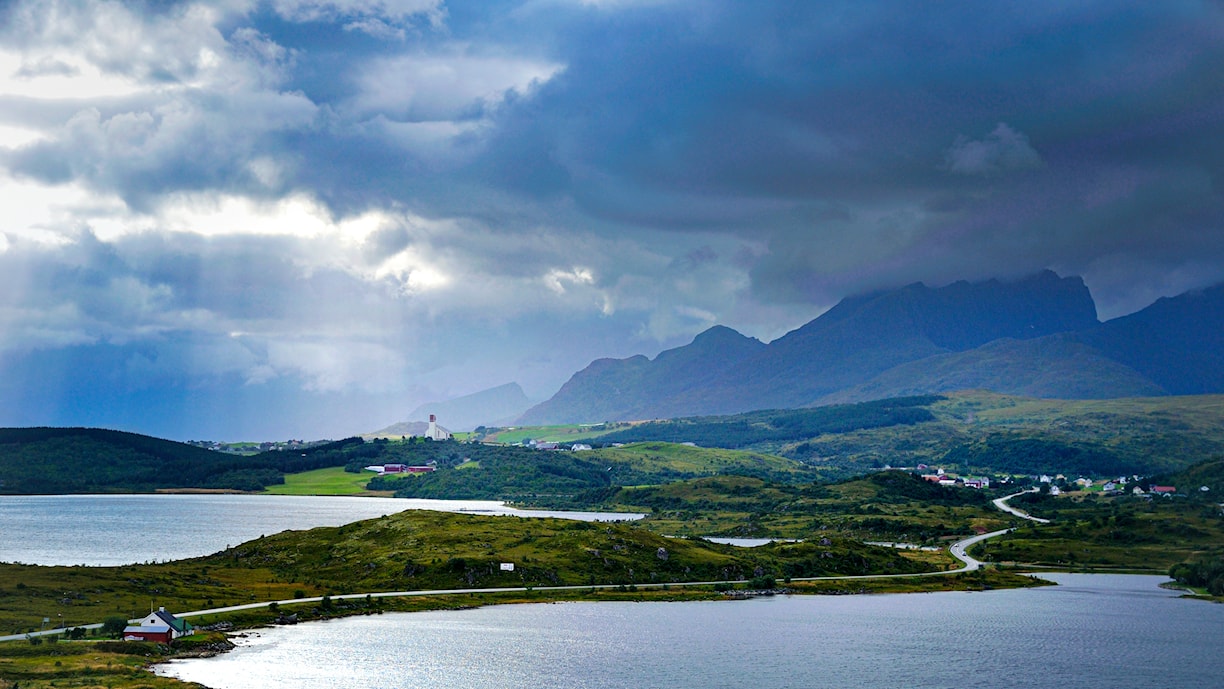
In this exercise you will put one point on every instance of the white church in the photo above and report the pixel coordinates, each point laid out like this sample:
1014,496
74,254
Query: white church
436,432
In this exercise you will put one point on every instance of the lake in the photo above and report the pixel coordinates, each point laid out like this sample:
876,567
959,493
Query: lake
107,530
1092,632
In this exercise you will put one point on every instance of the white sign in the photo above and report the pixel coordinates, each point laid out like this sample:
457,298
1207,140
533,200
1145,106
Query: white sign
507,566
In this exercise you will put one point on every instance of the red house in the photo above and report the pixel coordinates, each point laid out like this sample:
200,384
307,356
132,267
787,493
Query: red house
160,626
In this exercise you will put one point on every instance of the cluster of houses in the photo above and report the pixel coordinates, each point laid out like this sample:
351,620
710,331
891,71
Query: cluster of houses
540,445
1113,486
393,469
248,448
944,479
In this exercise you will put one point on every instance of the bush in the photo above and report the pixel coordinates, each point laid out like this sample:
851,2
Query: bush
762,583
1204,572
114,625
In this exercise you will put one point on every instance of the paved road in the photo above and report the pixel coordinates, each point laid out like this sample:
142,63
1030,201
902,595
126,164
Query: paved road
957,550
1001,503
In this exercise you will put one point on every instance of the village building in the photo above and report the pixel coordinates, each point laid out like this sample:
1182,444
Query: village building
160,626
436,432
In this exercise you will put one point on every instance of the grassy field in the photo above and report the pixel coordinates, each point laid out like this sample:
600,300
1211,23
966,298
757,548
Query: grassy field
329,481
414,551
658,460
1156,433
1101,533
891,506
570,433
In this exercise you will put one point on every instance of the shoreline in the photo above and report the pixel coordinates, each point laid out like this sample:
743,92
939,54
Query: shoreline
990,579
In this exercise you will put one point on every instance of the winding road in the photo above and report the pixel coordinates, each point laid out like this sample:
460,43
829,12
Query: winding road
958,550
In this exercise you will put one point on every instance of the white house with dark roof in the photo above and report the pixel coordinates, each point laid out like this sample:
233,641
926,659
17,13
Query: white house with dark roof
159,626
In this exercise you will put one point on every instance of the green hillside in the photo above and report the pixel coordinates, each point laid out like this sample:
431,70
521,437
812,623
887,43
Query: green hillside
94,460
971,431
1122,532
660,462
891,505
568,479
773,428
418,550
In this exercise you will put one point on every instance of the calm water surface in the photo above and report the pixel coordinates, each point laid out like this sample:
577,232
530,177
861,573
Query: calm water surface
105,530
1093,632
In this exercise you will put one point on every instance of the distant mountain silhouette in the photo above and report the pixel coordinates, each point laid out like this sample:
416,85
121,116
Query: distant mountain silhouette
492,407
1037,337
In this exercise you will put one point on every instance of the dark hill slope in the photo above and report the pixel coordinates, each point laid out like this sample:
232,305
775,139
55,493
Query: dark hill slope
95,460
1170,348
723,372
676,382
1177,342
1055,365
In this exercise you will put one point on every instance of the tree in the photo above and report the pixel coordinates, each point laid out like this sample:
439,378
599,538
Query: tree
114,625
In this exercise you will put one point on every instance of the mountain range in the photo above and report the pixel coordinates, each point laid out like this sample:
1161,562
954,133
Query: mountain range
498,406
1037,337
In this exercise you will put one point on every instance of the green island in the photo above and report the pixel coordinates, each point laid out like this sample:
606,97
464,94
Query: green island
1133,486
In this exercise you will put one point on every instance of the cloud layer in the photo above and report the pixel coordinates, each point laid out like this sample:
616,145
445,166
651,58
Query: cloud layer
305,217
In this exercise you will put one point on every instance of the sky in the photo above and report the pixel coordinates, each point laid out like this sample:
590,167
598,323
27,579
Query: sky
269,219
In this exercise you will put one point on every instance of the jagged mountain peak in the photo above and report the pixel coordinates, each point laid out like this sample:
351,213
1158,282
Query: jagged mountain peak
1170,346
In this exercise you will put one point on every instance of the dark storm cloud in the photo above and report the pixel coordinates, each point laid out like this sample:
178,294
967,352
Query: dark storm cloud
381,197
890,111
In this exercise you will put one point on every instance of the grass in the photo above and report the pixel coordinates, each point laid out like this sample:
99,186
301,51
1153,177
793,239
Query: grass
1093,532
328,481
567,433
413,550
893,506
118,665
677,459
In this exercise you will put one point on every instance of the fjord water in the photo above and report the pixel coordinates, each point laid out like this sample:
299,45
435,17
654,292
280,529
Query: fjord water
107,530
1092,632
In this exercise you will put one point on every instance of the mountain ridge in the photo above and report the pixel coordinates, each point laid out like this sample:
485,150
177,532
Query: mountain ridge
1037,336
491,407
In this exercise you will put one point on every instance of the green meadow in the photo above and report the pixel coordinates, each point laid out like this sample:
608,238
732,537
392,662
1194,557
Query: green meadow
327,481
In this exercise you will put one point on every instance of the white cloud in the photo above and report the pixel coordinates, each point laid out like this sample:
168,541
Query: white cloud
332,10
1003,150
557,278
446,87
52,214
79,79
377,28
335,364
16,137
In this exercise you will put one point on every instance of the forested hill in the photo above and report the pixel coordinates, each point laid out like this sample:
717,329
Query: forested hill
95,460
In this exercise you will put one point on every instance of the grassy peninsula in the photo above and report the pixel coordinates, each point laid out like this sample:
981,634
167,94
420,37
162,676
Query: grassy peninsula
417,551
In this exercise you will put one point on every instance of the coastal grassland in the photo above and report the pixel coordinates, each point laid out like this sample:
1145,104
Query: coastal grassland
415,551
83,665
1118,532
892,505
327,481
74,596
